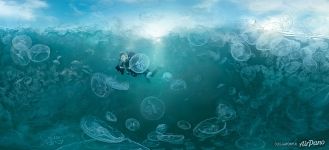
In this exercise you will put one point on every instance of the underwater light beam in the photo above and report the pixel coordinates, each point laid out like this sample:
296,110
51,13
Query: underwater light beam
157,29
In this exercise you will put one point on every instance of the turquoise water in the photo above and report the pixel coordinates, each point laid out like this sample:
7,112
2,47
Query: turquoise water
214,89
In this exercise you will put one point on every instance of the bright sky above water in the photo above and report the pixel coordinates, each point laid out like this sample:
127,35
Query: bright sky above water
157,17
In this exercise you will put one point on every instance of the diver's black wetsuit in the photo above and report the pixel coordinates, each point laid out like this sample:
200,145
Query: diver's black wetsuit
122,66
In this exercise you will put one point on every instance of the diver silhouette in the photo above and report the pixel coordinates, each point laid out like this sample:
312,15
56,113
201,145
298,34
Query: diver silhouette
123,66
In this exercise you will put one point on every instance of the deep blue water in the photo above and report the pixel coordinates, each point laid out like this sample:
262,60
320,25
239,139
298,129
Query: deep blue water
215,88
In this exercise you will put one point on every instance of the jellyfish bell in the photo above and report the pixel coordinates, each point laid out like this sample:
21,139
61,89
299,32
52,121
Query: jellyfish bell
161,128
199,36
132,124
110,116
19,57
225,112
39,53
99,85
152,108
171,138
139,63
22,42
183,124
99,130
178,85
209,127
240,51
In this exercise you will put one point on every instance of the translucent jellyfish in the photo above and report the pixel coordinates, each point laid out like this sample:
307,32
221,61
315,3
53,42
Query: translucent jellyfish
152,108
132,124
139,63
250,36
152,136
250,143
294,55
167,76
178,85
161,128
248,74
263,43
113,83
209,127
21,42
199,36
225,112
240,51
19,57
110,116
99,85
171,138
283,46
183,124
218,37
292,67
309,64
39,53
99,130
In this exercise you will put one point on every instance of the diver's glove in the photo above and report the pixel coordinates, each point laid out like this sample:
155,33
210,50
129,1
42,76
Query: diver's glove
120,69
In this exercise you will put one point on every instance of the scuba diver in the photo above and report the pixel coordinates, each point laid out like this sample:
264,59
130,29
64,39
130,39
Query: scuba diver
123,66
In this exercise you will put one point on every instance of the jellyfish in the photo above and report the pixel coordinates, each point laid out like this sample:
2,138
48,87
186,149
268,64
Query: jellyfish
178,85
110,116
248,143
167,76
132,124
113,83
225,112
19,57
171,138
99,85
183,124
152,108
21,42
161,128
99,130
240,51
248,74
250,36
139,63
263,43
152,136
209,127
292,67
39,53
199,36
283,46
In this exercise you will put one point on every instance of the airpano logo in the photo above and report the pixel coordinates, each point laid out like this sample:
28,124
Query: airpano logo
312,143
